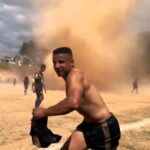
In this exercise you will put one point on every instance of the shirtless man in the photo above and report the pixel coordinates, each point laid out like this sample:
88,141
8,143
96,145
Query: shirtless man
39,85
100,129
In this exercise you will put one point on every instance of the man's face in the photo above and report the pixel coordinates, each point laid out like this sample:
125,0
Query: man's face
43,69
62,64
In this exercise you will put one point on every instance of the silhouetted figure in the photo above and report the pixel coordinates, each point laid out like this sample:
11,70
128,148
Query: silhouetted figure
14,81
135,85
26,84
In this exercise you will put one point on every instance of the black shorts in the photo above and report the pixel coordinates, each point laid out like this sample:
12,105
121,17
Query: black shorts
39,94
101,136
26,86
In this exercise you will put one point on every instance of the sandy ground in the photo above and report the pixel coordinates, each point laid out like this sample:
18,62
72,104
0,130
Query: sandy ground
15,113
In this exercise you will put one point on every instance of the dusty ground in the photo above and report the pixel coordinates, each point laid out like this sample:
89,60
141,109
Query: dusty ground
15,115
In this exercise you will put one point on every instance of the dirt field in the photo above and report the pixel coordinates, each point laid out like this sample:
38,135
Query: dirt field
15,116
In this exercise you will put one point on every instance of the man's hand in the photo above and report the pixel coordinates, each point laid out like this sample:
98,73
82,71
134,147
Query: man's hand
39,112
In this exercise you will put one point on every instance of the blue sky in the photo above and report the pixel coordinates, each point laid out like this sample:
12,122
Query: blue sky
16,17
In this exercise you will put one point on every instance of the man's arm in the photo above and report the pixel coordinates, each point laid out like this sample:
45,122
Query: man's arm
74,92
43,84
44,87
60,108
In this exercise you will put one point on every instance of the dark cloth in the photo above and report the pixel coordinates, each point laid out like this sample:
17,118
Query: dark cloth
101,136
41,135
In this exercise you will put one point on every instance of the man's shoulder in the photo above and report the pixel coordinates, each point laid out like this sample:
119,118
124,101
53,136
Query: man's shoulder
75,73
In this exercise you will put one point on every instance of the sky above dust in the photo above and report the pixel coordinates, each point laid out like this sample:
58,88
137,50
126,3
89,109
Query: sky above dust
17,17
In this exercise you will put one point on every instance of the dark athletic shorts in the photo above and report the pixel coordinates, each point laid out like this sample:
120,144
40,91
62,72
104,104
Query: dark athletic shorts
39,94
38,89
101,136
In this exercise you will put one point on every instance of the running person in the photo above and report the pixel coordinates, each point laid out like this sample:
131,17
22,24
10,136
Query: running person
100,129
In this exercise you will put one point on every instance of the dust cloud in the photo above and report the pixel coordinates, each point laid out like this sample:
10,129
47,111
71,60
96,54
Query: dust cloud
10,72
7,77
94,29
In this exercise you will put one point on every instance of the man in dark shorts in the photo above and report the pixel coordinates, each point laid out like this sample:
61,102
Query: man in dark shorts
39,85
26,84
100,129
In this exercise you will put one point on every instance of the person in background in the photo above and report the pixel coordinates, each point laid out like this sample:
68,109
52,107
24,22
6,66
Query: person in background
39,85
14,81
135,85
26,84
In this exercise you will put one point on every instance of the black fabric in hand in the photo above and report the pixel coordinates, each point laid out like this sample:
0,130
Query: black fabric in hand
41,135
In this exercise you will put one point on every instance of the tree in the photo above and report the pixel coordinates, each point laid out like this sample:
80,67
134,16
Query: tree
29,49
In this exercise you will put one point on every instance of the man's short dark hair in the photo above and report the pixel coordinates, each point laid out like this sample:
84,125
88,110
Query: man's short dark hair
43,66
64,50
